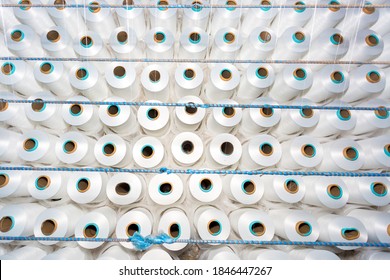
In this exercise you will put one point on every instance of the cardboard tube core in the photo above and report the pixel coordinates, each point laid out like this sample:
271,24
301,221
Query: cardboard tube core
70,147
372,40
147,152
350,233
4,180
226,75
191,110
76,109
7,68
189,73
227,148
3,105
60,4
214,227
249,187
265,36
122,37
113,110
109,149
373,77
90,231
334,190
83,185
48,227
266,112
257,229
128,2
81,74
43,182
154,76
297,8
194,37
206,184
387,149
308,150
95,8
159,37
132,228
381,113
303,228
266,149
350,153
86,41
17,35
187,147
300,36
299,73
30,144
345,114
6,224
379,188
119,71
46,68
174,230
307,112
53,36
153,113
334,3
165,188
337,77
228,112
388,230
122,188
262,72
291,186
229,37
38,105
368,10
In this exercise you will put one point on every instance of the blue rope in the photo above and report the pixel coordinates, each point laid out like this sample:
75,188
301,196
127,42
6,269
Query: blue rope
143,243
197,171
185,60
197,105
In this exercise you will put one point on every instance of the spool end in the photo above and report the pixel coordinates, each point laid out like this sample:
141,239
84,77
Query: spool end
4,180
159,37
265,36
257,228
30,144
109,149
373,77
227,148
90,231
6,223
147,151
42,182
174,230
122,188
350,153
154,76
226,75
308,150
291,186
122,37
48,227
70,147
303,228
132,228
248,187
53,36
266,149
187,147
350,233
214,227
229,38
83,185
191,109
113,110
206,185
165,188
228,112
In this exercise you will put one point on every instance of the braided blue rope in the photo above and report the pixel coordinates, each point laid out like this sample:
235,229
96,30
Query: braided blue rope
185,60
197,105
143,243
197,171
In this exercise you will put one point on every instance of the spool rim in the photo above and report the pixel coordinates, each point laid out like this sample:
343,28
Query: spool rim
7,223
86,42
46,68
130,234
25,2
292,189
3,105
299,74
38,105
153,114
179,230
96,7
298,37
266,111
228,112
72,144
337,39
347,153
298,9
127,3
150,152
27,144
162,2
122,188
368,10
330,191
161,188
119,72
308,150
255,233
303,228
197,6
214,223
265,36
231,3
92,228
122,37
46,185
194,37
226,75
247,183
84,188
334,9
53,36
350,233
382,191
78,109
261,73
229,37
267,146
206,185
17,35
159,37
4,180
372,40
189,74
337,77
82,74
307,113
381,114
8,68
52,227
109,149
386,149
373,77
113,110
344,114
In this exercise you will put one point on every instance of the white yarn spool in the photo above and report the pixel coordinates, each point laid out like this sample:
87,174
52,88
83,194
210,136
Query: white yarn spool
166,17
225,119
13,113
135,18
290,189
189,78
244,189
376,152
189,118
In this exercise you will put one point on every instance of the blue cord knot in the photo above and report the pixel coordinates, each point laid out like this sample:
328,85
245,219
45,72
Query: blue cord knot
163,170
142,243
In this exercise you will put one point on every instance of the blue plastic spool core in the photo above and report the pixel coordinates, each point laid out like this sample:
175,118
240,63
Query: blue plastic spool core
86,42
4,180
197,6
82,74
334,191
194,37
262,73
344,114
42,182
350,233
109,149
132,228
303,228
299,9
378,189
159,37
46,68
248,187
265,37
174,230
30,144
8,68
165,188
308,150
232,4
299,74
189,74
122,37
38,105
265,3
337,77
25,2
95,8
214,227
69,147
257,228
7,223
17,35
351,153
298,37
163,3
91,230
119,72
75,109
127,3
386,149
206,185
336,39
381,114
83,185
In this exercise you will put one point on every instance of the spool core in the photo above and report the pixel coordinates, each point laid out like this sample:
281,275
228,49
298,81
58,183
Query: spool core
307,112
189,74
4,180
154,76
206,184
344,114
46,68
37,105
214,227
187,147
48,227
53,36
372,40
147,151
373,77
350,153
382,114
6,224
299,74
70,147
132,229
265,36
350,233
159,37
228,112
165,188
303,228
119,71
83,185
95,8
299,9
60,4
308,150
109,149
335,191
86,41
229,37
291,186
191,110
368,10
113,110
76,109
153,114
337,77
81,74
90,231
43,182
3,105
163,3
337,39
194,37
249,187
379,189
7,68
299,36
257,228
174,230
122,37
334,3
266,112
30,144
17,35
227,148
262,72
266,149
226,75
122,188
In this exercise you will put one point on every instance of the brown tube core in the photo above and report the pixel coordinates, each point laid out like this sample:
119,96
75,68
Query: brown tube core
264,35
379,188
86,41
337,76
338,38
122,188
109,149
372,40
350,153
153,113
387,148
231,3
76,109
206,184
368,10
299,73
334,3
303,228
226,75
154,76
90,231
262,72
147,151
60,4
70,147
119,71
165,188
81,74
266,112
228,112
194,37
266,149
95,8
37,105
3,180
128,2
187,147
159,37
299,36
227,148
113,110
83,185
308,150
334,190
229,37
3,105
17,35
7,68
29,144
291,186
174,230
345,114
131,229
191,110
350,234
388,230
258,229
297,8
53,36
43,182
214,227
307,112
189,73
249,187
46,68
373,77
48,227
381,113
6,224
122,37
